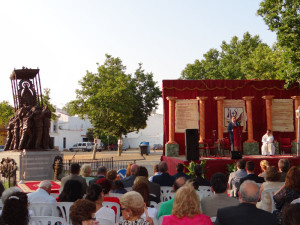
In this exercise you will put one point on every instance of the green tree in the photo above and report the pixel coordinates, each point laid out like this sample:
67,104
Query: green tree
261,64
46,101
283,17
115,102
6,111
226,64
68,107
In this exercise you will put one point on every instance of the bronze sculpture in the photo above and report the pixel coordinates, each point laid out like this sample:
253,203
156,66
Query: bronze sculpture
29,127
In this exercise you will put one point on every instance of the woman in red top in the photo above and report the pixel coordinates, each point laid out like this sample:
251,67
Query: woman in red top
106,185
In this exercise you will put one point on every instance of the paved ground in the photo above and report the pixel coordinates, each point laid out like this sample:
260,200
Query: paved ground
131,154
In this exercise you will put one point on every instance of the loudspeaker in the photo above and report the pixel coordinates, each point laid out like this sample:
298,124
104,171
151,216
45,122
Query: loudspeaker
191,144
236,155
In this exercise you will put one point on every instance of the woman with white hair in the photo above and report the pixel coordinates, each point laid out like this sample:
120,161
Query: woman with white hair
133,207
85,172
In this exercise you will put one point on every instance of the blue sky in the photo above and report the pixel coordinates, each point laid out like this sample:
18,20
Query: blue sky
65,38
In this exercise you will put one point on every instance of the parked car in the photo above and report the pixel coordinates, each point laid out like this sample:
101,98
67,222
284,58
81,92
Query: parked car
157,147
1,148
100,147
112,147
82,146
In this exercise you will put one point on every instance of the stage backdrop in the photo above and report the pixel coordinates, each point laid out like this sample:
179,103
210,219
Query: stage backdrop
232,90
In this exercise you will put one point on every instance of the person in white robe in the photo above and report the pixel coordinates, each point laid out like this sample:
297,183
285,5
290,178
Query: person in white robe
268,147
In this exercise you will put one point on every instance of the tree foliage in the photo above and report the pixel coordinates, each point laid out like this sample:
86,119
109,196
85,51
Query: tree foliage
115,102
247,58
46,101
6,111
226,64
283,17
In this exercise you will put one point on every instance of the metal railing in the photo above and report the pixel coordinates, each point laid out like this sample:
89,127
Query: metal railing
109,163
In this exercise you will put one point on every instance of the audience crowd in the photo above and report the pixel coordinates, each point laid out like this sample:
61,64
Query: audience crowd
232,199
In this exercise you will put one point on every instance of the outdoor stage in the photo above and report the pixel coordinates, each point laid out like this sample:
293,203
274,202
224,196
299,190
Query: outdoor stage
219,164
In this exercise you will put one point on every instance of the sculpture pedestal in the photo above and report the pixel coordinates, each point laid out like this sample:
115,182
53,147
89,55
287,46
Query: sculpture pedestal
172,150
34,165
251,148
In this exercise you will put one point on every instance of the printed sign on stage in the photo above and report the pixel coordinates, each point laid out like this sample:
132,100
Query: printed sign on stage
282,115
186,115
234,108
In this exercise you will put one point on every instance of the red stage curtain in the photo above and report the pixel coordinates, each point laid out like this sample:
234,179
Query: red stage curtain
231,89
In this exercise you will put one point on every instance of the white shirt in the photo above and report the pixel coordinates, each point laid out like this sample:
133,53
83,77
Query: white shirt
106,213
40,195
267,139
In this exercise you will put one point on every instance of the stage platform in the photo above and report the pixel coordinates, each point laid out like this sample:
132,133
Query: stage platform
219,164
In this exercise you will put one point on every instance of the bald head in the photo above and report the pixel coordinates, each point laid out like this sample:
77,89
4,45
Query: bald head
179,182
249,192
133,169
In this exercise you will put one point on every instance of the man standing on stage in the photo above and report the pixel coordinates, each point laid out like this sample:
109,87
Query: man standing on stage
231,124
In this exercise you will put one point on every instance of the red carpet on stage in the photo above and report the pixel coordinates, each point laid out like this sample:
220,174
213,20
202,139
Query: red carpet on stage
31,186
219,164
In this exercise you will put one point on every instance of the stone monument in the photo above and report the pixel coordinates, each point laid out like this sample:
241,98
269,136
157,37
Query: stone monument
28,140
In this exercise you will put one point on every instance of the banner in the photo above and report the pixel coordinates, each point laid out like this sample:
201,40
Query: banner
282,115
234,108
186,115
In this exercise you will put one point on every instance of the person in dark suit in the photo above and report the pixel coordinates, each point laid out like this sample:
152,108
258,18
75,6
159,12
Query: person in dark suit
231,124
75,170
199,180
250,174
154,189
128,181
101,173
164,179
180,173
246,212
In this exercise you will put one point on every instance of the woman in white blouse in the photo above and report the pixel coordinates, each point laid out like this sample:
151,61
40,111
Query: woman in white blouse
268,147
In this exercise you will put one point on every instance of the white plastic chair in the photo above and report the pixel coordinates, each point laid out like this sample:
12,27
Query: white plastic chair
1,204
269,192
153,204
213,219
104,221
204,191
296,201
167,196
44,209
166,193
111,205
47,220
165,189
64,208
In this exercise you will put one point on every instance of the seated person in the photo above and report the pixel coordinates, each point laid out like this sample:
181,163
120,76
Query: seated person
220,199
250,174
268,147
234,177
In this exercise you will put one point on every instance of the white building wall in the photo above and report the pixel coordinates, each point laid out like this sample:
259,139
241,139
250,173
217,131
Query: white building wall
153,133
72,128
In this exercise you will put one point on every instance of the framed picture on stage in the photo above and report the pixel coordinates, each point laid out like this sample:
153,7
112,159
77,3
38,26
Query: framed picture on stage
234,108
